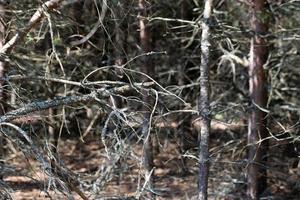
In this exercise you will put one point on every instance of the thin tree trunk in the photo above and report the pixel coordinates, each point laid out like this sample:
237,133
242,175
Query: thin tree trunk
148,69
182,131
121,33
120,57
204,108
2,63
258,95
2,74
120,44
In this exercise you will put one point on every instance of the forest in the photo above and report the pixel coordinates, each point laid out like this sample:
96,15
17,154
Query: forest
149,99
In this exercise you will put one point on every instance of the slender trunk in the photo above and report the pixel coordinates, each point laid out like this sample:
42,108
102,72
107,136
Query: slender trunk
2,63
204,108
2,74
121,34
146,68
120,45
258,95
182,131
120,57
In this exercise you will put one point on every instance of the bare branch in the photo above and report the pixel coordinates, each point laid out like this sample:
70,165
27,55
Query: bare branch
59,101
42,105
61,80
35,19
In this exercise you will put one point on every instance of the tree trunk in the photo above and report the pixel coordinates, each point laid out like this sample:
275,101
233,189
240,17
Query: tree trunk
120,33
2,75
258,95
2,63
120,45
204,108
183,130
148,69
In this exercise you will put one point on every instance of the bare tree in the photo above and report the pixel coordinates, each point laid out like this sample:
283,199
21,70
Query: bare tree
120,44
2,41
3,5
183,130
258,95
204,107
147,68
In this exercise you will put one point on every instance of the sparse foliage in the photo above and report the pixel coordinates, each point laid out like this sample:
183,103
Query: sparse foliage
98,92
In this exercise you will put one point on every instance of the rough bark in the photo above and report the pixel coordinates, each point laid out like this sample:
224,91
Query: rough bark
258,96
146,68
204,108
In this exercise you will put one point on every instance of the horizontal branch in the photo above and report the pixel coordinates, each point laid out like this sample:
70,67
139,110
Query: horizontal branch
60,80
192,23
59,101
42,105
43,78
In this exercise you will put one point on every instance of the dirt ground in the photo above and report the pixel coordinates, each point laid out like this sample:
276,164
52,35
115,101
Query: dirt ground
86,158
227,180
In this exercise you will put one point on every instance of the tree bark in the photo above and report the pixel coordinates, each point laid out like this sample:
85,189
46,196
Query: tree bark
204,107
258,96
2,76
148,69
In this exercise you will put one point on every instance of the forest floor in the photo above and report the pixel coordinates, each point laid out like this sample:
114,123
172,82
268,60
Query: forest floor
227,180
86,158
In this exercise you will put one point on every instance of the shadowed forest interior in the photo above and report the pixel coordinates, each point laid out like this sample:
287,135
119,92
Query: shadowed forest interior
149,99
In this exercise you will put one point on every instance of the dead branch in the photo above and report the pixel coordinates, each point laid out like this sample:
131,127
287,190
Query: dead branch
42,105
60,80
35,19
96,95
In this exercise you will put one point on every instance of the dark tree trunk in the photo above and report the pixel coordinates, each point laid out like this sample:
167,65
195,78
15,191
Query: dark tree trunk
204,108
258,96
183,130
120,33
120,45
2,75
2,63
148,69
120,56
